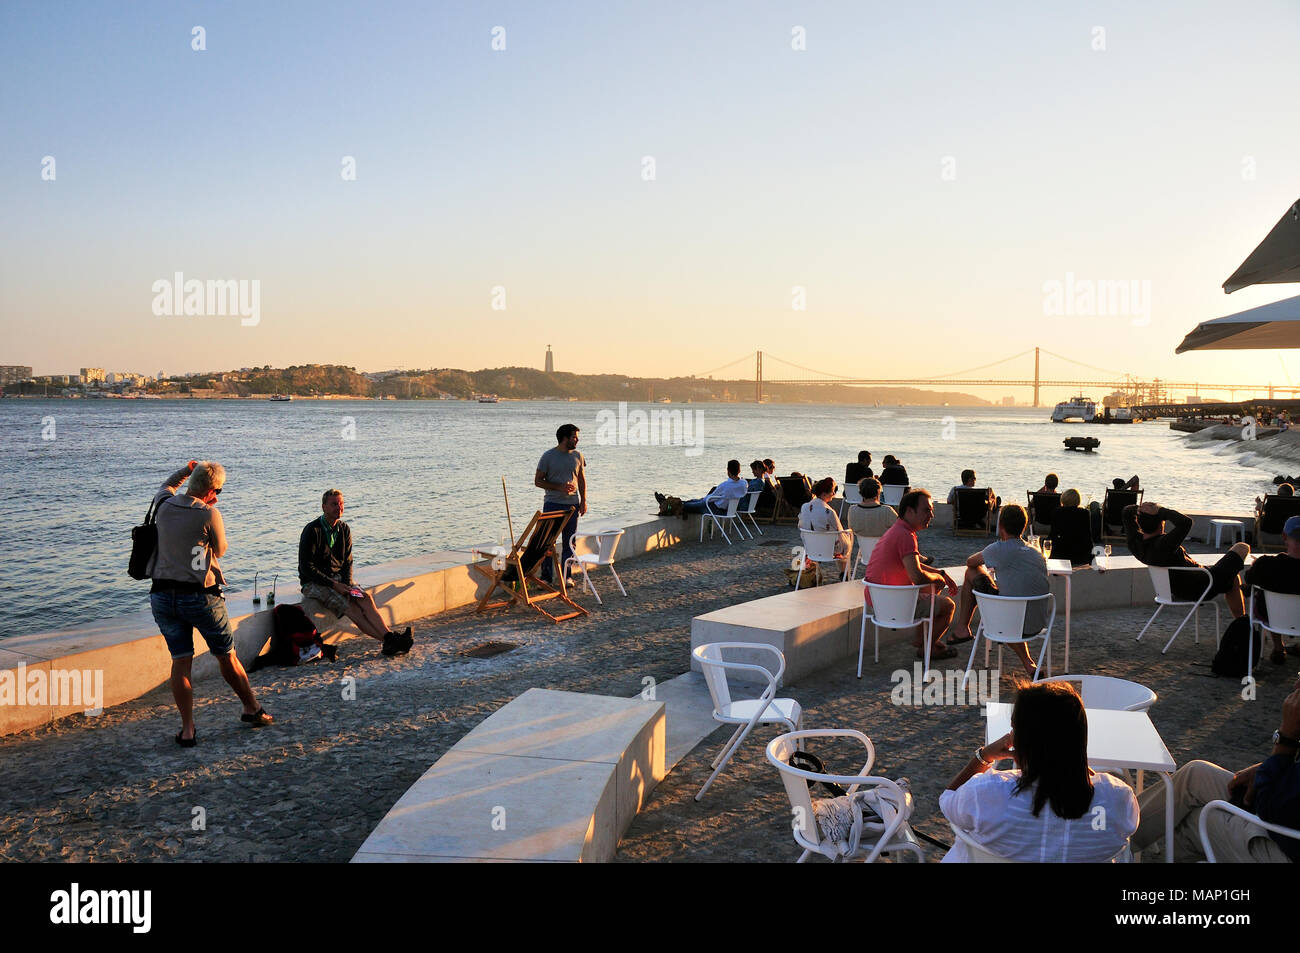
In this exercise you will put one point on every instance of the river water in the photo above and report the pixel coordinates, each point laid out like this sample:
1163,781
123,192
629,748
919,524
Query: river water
76,475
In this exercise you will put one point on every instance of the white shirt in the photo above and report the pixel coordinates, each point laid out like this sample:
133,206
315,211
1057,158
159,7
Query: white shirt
995,817
735,489
816,515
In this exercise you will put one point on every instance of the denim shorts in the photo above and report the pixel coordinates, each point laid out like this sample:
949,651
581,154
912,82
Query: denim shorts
178,614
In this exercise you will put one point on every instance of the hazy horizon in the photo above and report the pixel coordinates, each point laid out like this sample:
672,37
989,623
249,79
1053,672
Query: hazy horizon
823,176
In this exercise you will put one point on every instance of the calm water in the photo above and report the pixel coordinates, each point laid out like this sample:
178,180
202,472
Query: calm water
420,476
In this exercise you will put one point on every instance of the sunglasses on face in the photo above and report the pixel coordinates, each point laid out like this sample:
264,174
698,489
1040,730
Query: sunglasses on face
218,490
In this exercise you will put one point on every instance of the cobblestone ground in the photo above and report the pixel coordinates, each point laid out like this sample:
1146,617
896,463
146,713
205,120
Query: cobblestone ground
311,787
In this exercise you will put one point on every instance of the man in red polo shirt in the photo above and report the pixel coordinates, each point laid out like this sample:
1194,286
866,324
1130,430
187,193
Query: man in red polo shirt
896,561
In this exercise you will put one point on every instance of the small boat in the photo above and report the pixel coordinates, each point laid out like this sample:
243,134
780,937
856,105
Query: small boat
1086,444
488,399
1076,408
280,397
665,400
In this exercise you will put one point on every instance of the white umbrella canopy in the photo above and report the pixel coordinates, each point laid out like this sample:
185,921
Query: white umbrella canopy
1268,326
1276,260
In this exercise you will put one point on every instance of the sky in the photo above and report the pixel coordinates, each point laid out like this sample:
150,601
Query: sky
654,189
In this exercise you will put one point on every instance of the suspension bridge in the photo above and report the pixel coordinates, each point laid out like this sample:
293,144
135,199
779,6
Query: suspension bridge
1135,390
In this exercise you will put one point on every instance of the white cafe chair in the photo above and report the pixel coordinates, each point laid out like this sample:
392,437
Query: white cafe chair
1203,825
712,519
819,546
1165,597
746,714
1283,611
891,494
851,496
894,607
606,544
747,509
866,545
1002,621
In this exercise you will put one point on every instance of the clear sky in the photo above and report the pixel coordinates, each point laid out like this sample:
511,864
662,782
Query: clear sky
922,170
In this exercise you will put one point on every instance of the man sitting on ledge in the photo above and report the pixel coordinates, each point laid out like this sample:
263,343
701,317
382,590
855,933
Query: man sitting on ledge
325,571
732,488
1144,527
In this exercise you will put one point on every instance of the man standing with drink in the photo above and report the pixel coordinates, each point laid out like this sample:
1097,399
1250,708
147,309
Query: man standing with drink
562,473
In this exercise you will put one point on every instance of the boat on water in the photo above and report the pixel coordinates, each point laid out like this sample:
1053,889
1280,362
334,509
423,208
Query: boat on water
280,397
488,399
1076,408
664,400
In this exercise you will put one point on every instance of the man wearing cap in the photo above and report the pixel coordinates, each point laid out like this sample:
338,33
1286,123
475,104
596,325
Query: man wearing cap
1279,573
1144,528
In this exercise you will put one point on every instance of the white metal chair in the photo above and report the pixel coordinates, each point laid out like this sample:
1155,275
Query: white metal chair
894,607
748,507
890,803
1111,694
606,544
712,519
1283,611
866,545
851,496
1203,825
1002,620
819,546
891,494
982,855
1164,597
746,714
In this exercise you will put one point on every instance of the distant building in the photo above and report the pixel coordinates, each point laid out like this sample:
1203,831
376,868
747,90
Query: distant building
92,375
550,361
14,373
1008,402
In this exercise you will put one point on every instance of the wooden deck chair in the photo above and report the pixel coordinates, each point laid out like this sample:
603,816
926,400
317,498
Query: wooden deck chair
795,492
972,514
522,564
1112,511
1269,522
1042,507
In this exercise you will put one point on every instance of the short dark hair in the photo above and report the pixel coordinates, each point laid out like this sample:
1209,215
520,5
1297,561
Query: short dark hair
1051,481
911,500
869,487
733,468
824,485
864,457
565,432
967,475
1013,519
1149,522
1285,489
758,465
324,497
1117,484
769,462
891,460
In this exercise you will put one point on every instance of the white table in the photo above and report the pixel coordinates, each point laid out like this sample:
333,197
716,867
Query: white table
1124,740
1235,530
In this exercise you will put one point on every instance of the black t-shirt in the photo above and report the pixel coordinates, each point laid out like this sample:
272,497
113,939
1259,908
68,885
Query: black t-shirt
894,476
1072,535
320,562
1278,573
856,471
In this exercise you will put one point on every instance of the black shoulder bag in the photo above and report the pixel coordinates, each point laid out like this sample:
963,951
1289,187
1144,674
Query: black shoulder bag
144,541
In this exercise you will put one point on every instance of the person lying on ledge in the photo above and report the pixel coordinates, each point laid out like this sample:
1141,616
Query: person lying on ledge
325,571
732,488
1144,528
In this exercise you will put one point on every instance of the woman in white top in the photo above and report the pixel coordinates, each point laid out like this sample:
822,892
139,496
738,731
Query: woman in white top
1052,808
818,514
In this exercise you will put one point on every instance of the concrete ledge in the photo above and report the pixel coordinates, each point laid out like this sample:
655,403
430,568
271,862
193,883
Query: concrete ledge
551,776
131,657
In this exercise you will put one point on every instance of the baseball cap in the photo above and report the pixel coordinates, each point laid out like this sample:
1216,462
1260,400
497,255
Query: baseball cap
1292,526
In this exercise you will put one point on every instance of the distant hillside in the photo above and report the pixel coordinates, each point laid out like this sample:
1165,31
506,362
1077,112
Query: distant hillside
527,383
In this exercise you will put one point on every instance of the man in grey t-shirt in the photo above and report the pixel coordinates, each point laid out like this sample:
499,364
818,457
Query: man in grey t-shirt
562,473
1021,571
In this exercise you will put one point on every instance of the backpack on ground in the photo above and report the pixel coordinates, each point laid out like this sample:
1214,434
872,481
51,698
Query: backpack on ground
1230,660
294,639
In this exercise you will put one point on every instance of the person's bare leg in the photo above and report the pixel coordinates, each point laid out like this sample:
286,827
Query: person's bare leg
357,613
372,611
966,606
944,610
1022,652
1234,597
233,672
183,692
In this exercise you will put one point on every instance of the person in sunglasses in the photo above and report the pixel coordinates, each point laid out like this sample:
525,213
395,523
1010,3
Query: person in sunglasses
186,593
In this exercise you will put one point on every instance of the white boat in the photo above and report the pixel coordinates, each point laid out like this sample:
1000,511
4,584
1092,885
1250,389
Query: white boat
279,397
488,398
1076,408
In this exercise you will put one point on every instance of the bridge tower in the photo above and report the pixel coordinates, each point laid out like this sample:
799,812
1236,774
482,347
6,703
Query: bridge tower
1036,378
758,379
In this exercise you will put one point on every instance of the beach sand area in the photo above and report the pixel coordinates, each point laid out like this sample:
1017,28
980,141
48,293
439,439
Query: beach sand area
311,787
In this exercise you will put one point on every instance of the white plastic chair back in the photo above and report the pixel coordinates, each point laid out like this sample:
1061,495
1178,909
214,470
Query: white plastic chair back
715,674
715,666
1160,582
819,545
892,494
894,607
732,505
851,494
1110,694
866,546
1160,576
606,544
779,751
1283,612
1003,617
751,503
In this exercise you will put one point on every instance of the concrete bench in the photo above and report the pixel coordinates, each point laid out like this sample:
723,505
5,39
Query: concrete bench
551,776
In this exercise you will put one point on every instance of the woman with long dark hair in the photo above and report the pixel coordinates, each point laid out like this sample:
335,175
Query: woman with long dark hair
1052,808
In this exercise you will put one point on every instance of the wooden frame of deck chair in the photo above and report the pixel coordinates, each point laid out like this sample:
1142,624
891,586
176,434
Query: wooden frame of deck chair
976,501
789,491
535,545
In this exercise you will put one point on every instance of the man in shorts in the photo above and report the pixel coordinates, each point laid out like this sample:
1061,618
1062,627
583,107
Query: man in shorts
896,561
1144,528
325,571
1021,571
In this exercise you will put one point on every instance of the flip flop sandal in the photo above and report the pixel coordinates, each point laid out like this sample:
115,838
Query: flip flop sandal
187,742
257,719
